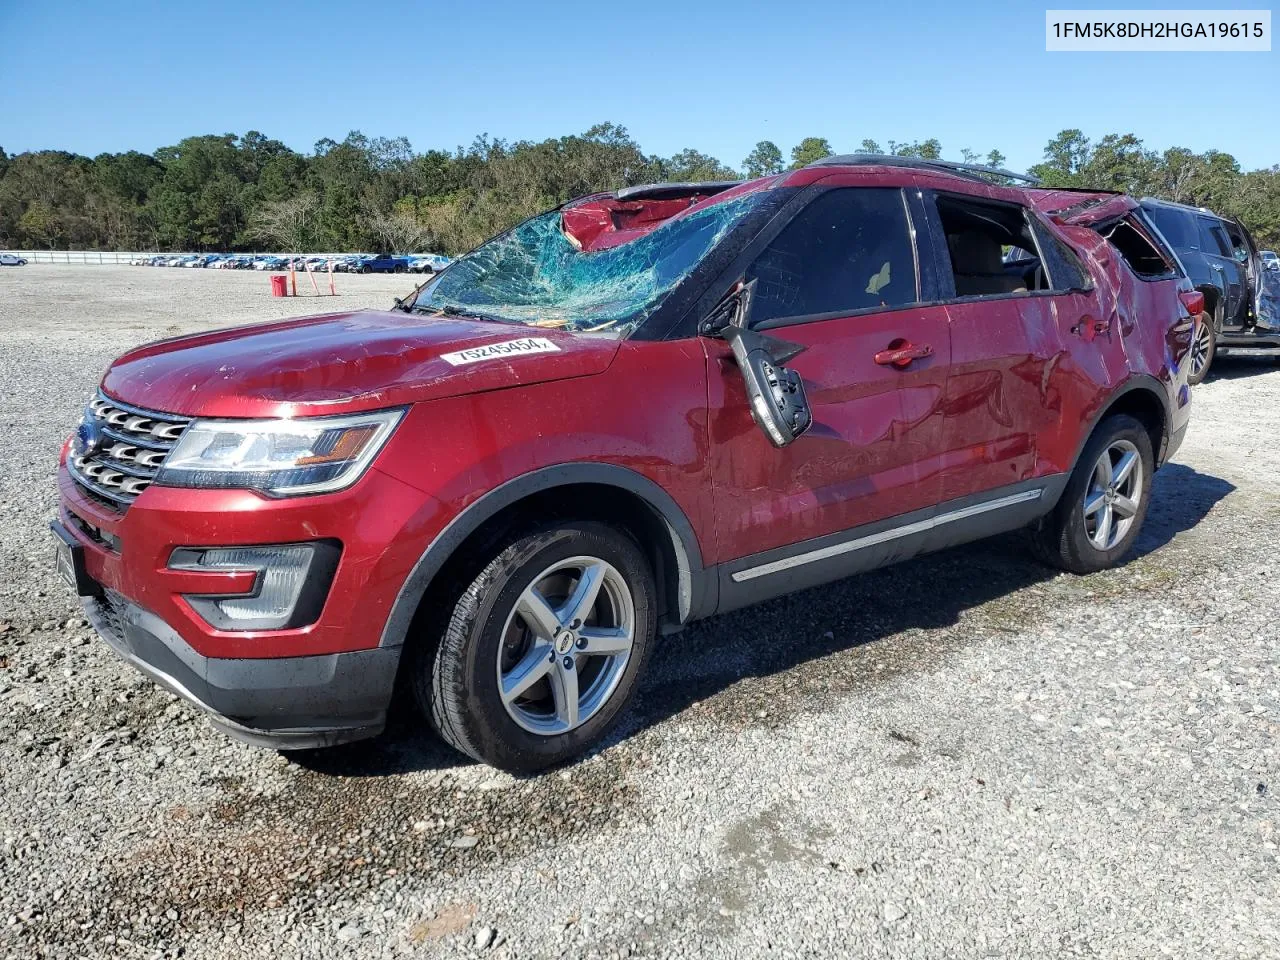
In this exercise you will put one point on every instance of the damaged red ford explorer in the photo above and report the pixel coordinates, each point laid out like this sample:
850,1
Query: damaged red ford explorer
631,412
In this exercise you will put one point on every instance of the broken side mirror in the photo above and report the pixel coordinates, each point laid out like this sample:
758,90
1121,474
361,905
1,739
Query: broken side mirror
774,392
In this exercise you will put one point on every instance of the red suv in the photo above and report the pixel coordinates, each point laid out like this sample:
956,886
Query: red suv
631,412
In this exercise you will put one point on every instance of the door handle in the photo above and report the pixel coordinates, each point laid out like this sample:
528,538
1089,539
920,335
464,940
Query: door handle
901,353
1216,266
1090,328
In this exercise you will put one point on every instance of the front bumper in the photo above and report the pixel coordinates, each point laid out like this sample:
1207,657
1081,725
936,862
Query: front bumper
325,683
285,703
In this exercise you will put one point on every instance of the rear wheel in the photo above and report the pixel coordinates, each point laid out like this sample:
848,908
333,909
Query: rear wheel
1203,347
543,649
1101,511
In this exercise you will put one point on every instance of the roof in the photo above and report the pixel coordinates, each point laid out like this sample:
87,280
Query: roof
1180,206
970,171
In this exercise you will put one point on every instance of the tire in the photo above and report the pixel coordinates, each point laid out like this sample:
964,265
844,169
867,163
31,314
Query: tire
366,269
488,642
399,269
1069,538
1203,348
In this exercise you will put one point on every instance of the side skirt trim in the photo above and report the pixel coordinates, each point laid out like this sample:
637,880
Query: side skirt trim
895,533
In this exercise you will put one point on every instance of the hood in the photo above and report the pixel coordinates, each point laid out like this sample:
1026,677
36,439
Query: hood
346,362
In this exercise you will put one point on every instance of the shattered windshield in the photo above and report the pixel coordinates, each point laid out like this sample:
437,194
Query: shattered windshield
533,275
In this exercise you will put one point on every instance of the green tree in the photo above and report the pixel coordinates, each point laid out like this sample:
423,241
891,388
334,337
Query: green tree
810,150
765,160
690,166
928,150
1064,159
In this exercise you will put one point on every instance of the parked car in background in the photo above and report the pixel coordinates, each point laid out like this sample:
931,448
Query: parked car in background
708,395
270,263
1222,260
11,260
384,263
1270,260
428,263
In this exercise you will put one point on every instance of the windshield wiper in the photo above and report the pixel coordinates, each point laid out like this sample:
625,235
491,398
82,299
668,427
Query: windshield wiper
452,311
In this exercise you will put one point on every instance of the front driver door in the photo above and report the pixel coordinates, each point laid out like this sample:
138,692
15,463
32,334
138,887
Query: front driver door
841,279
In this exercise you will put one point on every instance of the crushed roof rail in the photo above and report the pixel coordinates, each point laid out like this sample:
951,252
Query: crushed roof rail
969,170
659,191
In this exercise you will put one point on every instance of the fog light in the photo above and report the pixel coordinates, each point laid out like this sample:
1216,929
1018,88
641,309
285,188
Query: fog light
289,589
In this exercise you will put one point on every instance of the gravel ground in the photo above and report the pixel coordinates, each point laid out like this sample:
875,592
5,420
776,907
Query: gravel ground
962,756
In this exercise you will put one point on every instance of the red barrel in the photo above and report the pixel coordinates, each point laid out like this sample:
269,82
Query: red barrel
279,285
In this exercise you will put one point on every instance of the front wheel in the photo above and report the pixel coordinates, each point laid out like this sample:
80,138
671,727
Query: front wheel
1101,511
1203,348
543,649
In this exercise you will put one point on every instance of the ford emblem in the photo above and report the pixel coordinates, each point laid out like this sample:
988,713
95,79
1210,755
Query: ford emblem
88,439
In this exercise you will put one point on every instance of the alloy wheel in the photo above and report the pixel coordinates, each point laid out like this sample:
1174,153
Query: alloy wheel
565,645
1200,348
1113,495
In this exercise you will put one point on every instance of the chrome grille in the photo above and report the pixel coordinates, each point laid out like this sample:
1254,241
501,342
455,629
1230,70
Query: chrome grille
119,448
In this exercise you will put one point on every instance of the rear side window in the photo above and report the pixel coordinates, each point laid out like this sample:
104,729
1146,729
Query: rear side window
1064,267
848,250
1139,252
1213,239
1177,227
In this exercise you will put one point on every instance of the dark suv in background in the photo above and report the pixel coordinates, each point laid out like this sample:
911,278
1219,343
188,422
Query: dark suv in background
1222,260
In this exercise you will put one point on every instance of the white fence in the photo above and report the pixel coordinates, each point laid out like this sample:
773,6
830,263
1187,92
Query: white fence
124,256
78,256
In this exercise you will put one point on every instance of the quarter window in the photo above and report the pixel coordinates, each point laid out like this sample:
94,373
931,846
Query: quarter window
848,250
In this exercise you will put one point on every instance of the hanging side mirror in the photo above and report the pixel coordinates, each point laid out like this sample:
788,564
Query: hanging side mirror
775,393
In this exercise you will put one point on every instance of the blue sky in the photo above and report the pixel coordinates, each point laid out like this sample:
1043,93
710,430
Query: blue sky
717,76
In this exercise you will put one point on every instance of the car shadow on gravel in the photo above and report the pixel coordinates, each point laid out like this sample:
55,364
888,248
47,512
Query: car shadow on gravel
1238,368
786,645
801,649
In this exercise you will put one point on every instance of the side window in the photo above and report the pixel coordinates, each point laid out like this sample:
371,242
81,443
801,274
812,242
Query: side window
848,250
1178,227
1065,272
1139,252
1213,239
979,234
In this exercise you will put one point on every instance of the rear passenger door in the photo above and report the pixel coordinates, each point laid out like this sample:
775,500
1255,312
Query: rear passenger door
1010,349
841,279
1218,252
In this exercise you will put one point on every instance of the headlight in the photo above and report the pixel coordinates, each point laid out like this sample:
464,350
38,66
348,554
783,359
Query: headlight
280,457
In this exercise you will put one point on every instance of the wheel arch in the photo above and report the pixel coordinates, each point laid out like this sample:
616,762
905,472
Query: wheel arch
1144,398
588,491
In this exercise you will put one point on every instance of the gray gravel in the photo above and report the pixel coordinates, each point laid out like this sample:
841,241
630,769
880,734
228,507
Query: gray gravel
962,756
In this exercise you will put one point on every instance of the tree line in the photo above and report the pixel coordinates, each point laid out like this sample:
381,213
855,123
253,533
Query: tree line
251,192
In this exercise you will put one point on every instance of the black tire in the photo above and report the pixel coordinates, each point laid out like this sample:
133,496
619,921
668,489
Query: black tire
457,688
1061,539
1206,339
366,269
399,269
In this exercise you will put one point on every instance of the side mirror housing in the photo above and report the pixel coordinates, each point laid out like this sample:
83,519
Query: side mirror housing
774,392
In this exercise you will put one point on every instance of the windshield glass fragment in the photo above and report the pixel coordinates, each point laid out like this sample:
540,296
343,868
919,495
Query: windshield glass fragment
534,275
